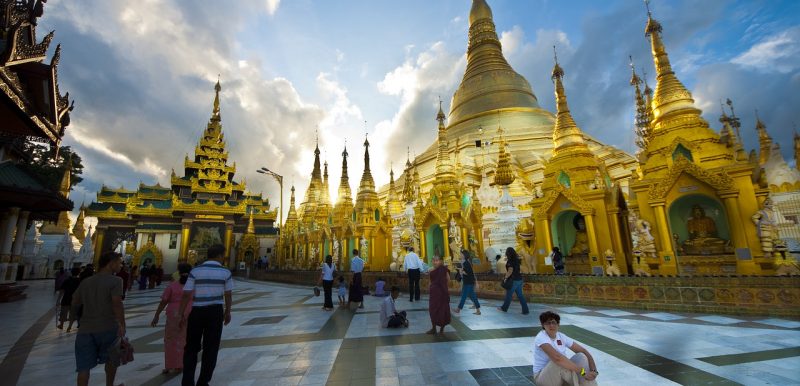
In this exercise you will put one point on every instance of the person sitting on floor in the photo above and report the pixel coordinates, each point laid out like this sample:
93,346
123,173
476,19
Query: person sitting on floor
390,318
550,366
379,285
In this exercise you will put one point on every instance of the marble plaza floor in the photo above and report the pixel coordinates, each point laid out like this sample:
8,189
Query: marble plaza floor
280,336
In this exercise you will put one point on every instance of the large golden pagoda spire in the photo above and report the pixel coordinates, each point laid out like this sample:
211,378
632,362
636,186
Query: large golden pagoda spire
489,82
325,192
503,175
567,136
215,115
671,96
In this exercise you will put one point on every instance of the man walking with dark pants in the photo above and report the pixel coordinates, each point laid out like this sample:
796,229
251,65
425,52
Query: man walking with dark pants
413,266
210,284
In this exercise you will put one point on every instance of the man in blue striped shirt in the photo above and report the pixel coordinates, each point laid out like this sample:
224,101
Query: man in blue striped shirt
208,285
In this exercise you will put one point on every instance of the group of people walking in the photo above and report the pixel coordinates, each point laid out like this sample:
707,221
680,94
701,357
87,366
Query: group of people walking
197,304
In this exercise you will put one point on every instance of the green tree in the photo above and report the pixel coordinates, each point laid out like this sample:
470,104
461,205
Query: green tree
49,167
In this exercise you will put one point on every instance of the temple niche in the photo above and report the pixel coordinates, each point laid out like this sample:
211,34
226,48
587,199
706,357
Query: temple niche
699,226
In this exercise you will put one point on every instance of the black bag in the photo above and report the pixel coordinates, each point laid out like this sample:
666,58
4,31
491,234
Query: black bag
507,283
316,291
458,276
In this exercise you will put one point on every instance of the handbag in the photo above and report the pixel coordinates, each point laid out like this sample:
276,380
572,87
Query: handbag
316,291
458,276
507,283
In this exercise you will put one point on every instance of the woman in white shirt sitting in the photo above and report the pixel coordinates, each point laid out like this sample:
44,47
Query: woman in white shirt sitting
550,365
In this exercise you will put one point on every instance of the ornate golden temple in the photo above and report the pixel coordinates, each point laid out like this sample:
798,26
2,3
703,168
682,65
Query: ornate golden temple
205,206
691,201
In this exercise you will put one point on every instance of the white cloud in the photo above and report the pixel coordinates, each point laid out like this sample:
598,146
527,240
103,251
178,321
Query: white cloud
418,82
272,6
776,53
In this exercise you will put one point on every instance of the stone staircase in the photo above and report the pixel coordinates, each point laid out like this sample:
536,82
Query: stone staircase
11,292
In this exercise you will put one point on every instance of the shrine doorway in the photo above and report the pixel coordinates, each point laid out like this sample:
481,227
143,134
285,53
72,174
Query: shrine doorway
563,230
434,242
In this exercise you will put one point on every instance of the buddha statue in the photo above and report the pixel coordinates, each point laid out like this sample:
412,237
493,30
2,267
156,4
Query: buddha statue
581,245
702,231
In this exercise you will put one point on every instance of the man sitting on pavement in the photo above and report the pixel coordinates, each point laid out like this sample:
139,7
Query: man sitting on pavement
390,318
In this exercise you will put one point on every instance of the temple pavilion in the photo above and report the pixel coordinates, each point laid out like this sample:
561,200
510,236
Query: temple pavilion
164,225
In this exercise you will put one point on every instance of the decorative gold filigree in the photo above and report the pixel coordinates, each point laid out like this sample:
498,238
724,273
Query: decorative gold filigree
717,180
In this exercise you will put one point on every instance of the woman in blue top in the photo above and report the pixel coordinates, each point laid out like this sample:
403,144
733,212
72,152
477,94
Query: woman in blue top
327,282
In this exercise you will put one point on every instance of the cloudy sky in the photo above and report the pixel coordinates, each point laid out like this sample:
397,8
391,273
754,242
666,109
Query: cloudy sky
142,75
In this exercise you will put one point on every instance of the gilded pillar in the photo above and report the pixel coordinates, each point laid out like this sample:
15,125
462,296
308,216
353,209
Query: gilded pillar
185,228
548,237
616,240
228,241
591,231
668,264
738,235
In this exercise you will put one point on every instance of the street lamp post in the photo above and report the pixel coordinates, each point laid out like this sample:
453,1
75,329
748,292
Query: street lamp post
278,178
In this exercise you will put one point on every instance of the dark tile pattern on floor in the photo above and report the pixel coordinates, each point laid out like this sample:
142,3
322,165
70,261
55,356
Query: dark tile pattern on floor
264,320
519,375
757,356
664,367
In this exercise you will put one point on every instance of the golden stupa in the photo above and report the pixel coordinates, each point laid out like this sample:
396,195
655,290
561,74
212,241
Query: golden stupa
492,95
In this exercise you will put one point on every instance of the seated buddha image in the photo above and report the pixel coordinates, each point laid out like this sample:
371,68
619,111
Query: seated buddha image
703,238
581,245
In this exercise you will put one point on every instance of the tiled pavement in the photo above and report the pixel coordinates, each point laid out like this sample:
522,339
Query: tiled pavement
280,336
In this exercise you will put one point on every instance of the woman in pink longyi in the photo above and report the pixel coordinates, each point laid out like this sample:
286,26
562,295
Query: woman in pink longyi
174,335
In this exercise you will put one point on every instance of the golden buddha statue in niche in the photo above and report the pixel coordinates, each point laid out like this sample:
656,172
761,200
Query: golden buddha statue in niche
581,245
702,231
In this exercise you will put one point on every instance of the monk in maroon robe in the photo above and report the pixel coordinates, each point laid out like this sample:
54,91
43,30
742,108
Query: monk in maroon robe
439,304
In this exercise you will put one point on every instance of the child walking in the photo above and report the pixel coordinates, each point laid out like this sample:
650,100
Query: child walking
342,291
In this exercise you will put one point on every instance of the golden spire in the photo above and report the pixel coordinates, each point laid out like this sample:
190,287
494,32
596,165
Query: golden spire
764,141
251,228
566,134
325,192
408,185
367,198
642,111
215,114
291,217
367,182
444,167
344,182
78,230
503,175
489,82
670,95
730,131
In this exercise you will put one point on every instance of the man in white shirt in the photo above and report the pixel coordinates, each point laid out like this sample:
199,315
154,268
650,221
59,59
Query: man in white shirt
413,265
356,286
390,318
